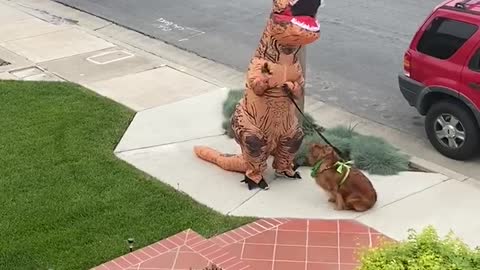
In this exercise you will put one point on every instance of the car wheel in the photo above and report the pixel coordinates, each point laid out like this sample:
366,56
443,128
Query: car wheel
452,130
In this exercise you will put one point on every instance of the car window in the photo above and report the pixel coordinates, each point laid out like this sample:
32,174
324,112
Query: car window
444,37
475,61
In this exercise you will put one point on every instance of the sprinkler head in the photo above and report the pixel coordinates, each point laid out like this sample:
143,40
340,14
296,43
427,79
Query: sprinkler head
130,243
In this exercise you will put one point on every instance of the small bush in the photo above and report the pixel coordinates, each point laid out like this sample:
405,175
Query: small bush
369,153
301,157
309,126
234,96
377,156
341,132
343,144
226,125
424,251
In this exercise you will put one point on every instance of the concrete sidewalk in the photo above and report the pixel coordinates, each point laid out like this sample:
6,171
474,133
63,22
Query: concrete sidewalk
43,40
408,200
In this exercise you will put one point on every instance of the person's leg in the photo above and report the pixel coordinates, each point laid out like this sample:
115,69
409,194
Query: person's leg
254,150
254,147
287,148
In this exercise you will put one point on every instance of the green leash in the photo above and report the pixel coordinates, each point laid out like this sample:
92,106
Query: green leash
342,167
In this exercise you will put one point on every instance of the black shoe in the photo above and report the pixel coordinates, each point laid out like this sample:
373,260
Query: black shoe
251,184
284,174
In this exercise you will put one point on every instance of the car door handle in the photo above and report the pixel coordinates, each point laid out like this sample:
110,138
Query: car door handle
475,86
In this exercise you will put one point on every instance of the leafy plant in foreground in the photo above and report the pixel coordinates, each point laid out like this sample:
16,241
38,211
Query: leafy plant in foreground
422,251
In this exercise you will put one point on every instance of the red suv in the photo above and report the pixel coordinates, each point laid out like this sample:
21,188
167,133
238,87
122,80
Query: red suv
441,77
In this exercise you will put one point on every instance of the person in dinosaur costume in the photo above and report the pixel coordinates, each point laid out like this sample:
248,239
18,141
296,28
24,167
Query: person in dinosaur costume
265,120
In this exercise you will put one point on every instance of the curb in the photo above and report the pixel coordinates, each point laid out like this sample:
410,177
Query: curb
425,165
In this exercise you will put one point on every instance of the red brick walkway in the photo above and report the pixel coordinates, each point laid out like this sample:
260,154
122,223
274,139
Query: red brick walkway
273,244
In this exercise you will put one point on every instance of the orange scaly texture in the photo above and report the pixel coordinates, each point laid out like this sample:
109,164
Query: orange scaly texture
265,120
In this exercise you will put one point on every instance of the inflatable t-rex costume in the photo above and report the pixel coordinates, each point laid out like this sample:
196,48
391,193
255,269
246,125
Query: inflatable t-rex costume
265,120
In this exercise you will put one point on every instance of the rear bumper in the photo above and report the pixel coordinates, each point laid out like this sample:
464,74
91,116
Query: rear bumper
410,89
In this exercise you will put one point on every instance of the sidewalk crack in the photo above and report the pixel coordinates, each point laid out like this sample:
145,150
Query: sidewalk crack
406,197
169,143
243,202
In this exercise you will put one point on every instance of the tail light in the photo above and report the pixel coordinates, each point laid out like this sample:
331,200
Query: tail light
407,64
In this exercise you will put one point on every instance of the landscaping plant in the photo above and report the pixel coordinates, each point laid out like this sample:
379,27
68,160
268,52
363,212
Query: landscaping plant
423,251
369,153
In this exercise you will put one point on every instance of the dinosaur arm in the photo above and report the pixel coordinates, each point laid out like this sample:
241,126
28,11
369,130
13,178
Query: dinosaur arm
296,87
258,76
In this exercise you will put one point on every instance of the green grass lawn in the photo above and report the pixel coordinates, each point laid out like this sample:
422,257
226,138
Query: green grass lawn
66,202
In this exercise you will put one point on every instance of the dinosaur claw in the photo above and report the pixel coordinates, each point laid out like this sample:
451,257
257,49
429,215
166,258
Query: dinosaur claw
284,174
251,184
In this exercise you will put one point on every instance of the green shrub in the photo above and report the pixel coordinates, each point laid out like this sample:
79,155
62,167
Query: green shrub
309,126
423,251
301,157
377,156
369,153
341,137
228,128
234,96
341,132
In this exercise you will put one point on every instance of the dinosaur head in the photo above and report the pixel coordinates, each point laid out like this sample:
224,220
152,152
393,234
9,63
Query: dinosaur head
294,22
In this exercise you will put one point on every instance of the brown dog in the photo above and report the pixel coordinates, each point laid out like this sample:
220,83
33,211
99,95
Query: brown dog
349,192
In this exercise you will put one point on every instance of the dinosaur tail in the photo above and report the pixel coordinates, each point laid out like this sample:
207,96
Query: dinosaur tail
233,163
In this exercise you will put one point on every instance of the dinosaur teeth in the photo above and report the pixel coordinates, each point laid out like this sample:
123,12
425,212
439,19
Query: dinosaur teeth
303,25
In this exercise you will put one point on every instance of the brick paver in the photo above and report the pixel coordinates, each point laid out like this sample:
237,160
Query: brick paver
273,244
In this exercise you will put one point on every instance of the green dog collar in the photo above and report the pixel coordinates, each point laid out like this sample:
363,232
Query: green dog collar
315,168
342,168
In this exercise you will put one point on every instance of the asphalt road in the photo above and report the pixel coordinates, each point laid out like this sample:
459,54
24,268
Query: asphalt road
354,65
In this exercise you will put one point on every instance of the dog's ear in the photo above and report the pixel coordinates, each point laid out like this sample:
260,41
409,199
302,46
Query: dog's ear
329,149
314,147
315,150
331,153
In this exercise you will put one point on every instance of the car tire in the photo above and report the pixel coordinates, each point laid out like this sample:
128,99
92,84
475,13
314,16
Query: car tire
446,109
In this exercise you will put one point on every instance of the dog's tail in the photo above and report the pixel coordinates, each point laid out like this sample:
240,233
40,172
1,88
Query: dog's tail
234,163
